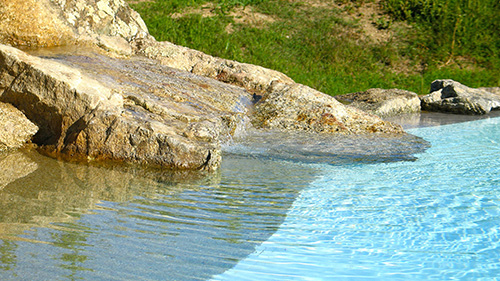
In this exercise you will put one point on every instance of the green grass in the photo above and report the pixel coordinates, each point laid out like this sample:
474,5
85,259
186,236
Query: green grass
326,50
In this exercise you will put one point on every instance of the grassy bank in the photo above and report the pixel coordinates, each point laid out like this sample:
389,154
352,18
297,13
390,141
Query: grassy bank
341,46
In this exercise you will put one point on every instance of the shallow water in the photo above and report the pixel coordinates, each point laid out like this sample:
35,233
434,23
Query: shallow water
67,221
281,208
436,218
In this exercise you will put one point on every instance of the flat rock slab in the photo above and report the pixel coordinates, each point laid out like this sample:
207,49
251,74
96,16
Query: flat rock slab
98,107
383,102
451,96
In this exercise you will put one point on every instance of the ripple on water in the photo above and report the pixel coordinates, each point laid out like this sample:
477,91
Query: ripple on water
435,218
413,214
71,221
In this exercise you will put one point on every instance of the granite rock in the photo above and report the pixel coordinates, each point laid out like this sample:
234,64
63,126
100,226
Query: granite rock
383,102
97,107
15,128
111,24
298,107
451,96
106,89
493,90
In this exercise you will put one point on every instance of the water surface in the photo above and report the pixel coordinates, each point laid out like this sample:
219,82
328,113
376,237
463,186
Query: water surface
282,207
67,221
436,218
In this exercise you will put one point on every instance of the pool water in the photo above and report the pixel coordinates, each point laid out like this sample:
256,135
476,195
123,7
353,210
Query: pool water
284,212
65,221
436,218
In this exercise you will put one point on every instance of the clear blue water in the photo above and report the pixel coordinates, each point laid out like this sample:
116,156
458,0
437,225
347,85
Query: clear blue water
436,218
283,213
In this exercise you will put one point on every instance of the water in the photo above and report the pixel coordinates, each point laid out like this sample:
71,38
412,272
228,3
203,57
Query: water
64,221
436,218
283,212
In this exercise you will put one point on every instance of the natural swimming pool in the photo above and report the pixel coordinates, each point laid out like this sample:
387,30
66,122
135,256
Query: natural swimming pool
429,214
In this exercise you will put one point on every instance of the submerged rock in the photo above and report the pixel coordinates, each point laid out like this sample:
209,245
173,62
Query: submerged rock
451,96
113,92
15,128
383,102
310,147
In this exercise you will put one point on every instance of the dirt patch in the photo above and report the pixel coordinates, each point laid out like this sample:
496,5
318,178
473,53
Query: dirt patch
207,10
137,1
373,23
247,15
325,4
241,15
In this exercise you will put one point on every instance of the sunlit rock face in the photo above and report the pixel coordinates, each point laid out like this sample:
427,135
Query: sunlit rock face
383,102
48,23
94,106
106,89
15,128
32,23
451,96
297,107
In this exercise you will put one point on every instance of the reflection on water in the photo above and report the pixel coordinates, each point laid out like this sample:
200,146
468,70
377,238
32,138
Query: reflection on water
14,166
436,218
70,221
62,220
429,119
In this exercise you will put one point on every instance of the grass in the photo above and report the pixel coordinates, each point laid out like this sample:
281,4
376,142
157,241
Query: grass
327,48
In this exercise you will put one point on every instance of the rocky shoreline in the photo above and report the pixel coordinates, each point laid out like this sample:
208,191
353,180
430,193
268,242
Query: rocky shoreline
92,84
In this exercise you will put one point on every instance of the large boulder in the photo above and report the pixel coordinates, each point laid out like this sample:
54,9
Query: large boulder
493,90
451,96
111,91
383,102
97,107
298,107
15,128
48,23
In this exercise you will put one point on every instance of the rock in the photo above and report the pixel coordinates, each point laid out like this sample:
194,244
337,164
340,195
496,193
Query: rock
253,78
451,96
98,107
298,107
493,90
383,102
111,91
49,23
15,128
